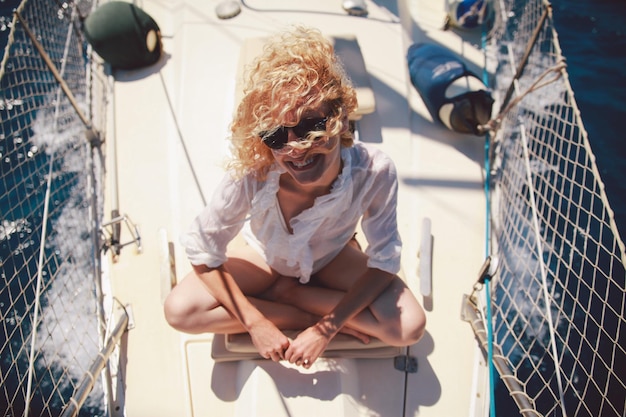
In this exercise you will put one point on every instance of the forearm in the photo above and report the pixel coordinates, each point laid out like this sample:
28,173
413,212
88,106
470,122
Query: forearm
220,283
365,290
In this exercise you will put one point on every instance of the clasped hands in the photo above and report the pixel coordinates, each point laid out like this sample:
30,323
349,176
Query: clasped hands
303,350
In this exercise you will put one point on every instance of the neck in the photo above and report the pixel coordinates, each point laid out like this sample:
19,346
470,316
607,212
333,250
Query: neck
288,184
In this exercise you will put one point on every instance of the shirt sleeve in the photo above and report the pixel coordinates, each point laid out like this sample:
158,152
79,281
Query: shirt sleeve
210,233
379,221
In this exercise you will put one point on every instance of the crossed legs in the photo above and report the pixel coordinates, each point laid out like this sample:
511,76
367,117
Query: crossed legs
395,316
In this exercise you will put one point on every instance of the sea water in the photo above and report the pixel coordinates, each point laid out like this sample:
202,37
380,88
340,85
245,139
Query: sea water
67,335
592,34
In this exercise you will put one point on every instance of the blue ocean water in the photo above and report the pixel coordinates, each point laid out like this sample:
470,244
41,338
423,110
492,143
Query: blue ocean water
592,34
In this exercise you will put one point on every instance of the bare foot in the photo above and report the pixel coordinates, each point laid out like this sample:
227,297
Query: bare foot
355,333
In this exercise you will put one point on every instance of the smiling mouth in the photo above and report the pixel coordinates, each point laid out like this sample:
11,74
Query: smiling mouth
304,163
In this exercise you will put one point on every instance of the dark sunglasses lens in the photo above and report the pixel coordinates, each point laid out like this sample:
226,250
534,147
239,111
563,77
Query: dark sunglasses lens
279,138
316,124
276,140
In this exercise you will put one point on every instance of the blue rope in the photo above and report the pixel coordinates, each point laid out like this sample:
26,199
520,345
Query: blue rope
492,376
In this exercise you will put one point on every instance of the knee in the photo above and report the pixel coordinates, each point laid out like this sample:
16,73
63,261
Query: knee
414,323
409,328
414,329
406,334
176,311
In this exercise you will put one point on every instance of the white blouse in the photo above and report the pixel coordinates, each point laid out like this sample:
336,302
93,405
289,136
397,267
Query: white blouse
367,187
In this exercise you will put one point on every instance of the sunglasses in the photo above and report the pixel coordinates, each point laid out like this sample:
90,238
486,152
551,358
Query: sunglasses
279,138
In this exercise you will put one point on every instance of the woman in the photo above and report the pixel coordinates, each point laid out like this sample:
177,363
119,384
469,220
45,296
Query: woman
297,187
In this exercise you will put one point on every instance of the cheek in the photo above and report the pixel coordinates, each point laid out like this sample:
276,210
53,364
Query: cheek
329,146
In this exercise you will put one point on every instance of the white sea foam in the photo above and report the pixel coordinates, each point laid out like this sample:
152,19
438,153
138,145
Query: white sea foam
68,339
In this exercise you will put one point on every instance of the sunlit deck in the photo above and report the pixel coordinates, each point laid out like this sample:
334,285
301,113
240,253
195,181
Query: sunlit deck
169,124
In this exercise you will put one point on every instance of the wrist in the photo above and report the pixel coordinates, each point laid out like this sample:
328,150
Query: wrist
327,327
253,320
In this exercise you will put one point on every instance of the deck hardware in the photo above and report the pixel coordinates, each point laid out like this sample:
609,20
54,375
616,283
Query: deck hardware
405,363
128,309
355,7
425,255
488,269
167,263
227,9
111,233
471,313
90,376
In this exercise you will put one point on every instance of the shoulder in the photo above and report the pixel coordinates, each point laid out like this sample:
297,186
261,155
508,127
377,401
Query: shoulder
234,188
247,180
372,159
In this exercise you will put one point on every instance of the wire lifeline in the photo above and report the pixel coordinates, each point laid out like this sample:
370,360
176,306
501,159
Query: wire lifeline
46,208
85,386
494,124
492,388
57,75
491,127
507,104
37,307
542,269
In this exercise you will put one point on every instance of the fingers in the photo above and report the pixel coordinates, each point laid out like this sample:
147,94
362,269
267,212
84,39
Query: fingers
299,359
298,355
278,351
305,363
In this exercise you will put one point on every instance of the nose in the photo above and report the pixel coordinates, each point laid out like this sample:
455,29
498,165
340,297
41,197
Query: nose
291,135
293,151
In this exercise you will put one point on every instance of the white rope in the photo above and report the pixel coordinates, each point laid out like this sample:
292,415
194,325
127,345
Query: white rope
44,228
10,40
544,278
474,10
44,231
494,124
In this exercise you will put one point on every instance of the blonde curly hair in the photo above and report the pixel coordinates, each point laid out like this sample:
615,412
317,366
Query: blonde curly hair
297,71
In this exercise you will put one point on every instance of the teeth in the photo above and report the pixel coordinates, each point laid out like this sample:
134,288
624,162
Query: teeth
303,163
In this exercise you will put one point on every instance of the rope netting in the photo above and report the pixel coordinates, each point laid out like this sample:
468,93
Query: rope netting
558,295
50,178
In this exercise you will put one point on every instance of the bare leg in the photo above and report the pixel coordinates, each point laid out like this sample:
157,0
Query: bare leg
394,317
192,309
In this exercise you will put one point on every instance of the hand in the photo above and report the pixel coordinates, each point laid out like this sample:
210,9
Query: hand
308,346
269,340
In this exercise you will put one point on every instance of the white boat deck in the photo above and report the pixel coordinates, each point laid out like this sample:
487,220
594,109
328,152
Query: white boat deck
186,102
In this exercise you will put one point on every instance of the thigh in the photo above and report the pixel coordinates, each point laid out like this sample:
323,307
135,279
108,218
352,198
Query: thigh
394,301
343,271
250,271
247,268
346,268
